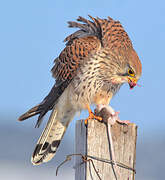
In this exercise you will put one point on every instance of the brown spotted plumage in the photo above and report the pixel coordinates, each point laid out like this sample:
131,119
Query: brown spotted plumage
97,60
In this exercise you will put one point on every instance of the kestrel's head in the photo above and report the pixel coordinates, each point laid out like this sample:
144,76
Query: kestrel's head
124,63
125,68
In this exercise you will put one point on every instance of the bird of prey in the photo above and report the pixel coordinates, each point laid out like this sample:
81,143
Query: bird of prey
98,58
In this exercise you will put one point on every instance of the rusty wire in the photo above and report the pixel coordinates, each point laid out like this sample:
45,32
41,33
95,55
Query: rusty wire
90,160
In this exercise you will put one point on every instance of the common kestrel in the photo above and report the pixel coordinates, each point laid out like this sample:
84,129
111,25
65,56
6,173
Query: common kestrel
97,60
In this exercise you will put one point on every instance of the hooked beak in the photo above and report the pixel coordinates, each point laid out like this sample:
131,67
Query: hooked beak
132,82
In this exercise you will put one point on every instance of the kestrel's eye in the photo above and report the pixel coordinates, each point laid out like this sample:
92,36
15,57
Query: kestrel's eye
131,72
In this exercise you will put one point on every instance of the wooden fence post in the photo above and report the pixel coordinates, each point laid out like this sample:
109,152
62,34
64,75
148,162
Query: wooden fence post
93,141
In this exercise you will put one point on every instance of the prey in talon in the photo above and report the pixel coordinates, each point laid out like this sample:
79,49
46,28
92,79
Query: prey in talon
97,60
109,115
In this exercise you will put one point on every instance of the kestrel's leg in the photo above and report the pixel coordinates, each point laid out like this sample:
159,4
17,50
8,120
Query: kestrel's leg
91,115
109,114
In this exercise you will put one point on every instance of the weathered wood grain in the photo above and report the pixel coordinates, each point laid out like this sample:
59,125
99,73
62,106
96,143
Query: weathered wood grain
94,141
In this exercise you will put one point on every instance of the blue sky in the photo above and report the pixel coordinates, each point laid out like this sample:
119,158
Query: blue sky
32,34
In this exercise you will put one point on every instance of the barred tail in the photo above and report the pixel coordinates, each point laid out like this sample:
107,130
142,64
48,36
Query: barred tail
51,137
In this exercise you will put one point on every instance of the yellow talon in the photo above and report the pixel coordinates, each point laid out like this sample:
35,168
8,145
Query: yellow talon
91,116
